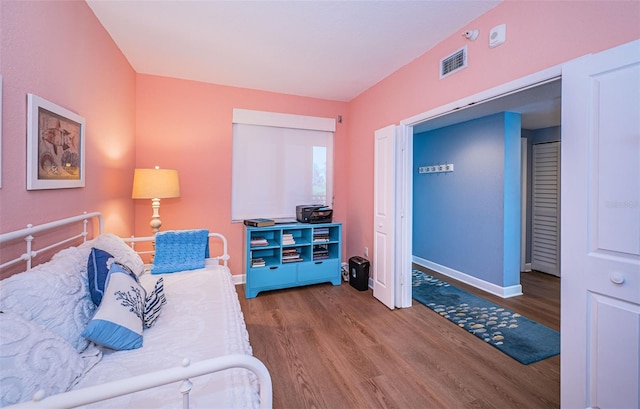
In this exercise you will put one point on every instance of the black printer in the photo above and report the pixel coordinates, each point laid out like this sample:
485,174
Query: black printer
314,214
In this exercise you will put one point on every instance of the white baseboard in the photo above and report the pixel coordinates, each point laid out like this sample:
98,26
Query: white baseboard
527,267
503,292
239,279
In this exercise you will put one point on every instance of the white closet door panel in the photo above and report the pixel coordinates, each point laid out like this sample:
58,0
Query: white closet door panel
600,287
546,208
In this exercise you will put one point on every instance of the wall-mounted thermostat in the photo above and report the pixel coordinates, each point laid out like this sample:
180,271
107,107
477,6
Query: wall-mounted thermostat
497,35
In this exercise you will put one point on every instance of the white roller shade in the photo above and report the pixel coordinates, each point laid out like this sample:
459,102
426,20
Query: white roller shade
276,168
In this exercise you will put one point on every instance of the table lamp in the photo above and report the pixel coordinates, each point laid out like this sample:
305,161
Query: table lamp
155,184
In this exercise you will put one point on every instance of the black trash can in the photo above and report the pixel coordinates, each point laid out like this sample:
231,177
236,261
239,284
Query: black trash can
359,273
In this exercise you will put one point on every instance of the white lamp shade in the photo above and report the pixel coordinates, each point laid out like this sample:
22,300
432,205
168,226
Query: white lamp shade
155,184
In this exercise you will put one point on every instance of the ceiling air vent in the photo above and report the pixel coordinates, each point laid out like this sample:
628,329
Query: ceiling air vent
453,62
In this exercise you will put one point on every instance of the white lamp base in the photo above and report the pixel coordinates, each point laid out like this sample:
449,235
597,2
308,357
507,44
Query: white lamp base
155,222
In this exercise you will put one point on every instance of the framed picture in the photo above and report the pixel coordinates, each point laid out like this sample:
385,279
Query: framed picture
55,146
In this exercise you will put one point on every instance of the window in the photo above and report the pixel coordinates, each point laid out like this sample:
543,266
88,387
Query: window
280,161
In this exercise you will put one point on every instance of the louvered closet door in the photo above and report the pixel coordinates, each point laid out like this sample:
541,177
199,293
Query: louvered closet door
545,254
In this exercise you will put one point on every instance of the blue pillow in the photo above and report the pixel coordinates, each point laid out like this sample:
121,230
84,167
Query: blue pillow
179,250
97,271
118,322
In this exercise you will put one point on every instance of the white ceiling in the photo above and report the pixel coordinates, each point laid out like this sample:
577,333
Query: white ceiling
324,49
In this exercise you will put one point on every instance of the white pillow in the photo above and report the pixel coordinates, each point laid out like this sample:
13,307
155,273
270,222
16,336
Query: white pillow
120,251
33,358
118,321
54,294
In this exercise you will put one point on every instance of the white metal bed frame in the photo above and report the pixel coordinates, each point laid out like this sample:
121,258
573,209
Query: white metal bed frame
28,232
150,380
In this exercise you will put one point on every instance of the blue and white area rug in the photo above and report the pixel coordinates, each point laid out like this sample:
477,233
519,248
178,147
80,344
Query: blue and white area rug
517,336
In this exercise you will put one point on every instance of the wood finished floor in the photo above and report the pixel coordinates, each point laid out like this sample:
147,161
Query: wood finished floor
335,347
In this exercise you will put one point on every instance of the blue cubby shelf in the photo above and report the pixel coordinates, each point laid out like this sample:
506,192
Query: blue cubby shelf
291,255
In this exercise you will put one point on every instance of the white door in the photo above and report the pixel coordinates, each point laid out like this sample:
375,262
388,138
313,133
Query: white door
384,195
545,219
600,248
403,216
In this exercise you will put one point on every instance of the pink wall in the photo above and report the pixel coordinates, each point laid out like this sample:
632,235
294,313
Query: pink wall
186,125
59,51
540,34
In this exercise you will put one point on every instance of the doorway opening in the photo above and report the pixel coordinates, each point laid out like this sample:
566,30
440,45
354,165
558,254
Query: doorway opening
536,98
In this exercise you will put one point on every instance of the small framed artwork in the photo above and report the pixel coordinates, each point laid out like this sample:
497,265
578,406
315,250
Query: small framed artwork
55,146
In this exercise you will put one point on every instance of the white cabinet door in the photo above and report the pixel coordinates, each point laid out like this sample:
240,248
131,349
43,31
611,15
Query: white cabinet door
600,220
384,195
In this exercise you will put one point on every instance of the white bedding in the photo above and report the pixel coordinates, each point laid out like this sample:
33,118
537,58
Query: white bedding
195,300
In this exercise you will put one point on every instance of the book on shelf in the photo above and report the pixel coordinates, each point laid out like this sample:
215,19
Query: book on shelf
321,235
287,239
257,241
258,262
290,256
320,251
259,222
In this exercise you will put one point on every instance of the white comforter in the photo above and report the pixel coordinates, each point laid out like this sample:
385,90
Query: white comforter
202,319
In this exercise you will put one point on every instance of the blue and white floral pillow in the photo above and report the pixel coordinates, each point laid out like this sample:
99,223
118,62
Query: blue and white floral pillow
118,322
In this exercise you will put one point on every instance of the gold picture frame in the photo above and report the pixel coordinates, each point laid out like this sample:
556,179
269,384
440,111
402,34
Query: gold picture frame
55,146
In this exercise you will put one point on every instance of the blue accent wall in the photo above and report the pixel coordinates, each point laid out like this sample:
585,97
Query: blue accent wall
469,219
512,226
544,135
